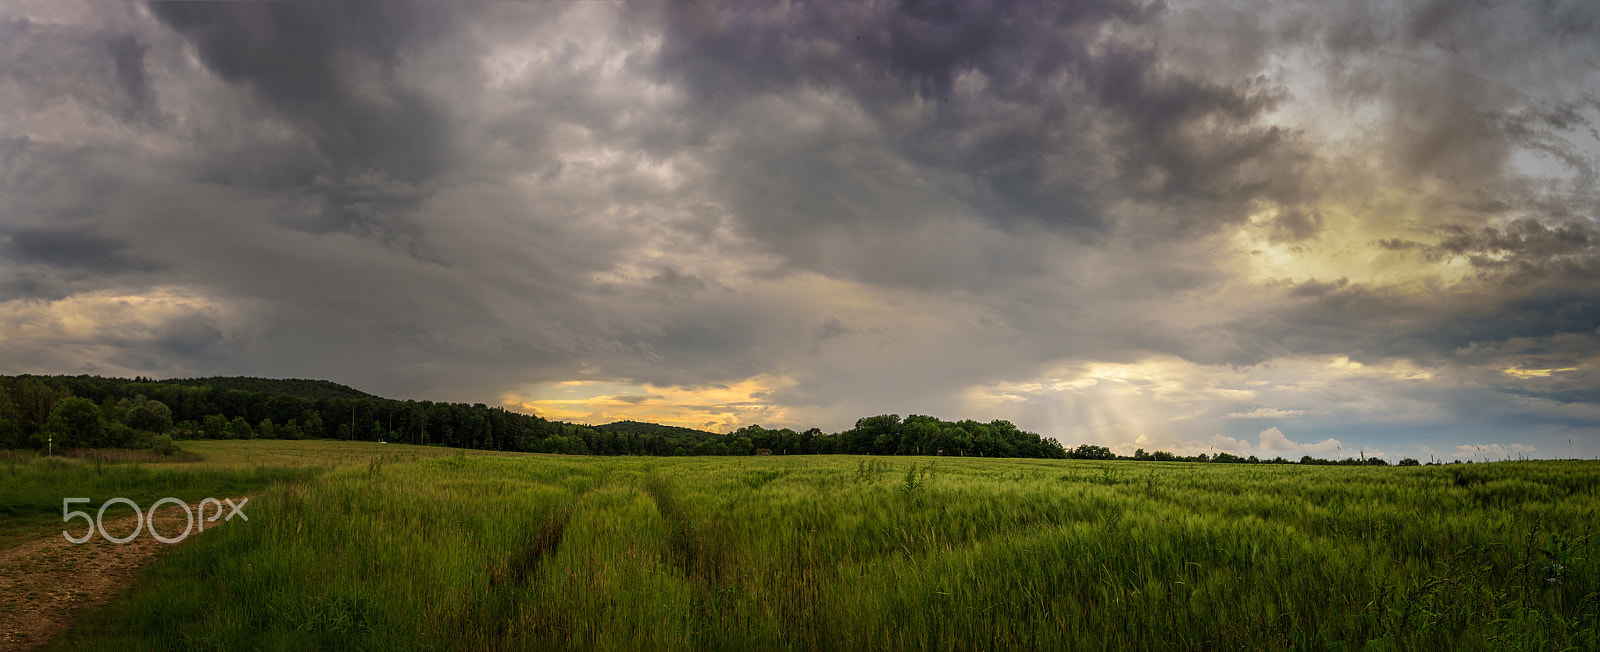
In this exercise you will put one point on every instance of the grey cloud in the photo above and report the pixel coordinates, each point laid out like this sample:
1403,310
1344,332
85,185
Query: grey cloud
70,249
330,70
194,338
1056,133
1295,225
1399,244
128,55
1463,83
1524,238
98,69
1525,254
1315,288
831,329
676,284
1370,324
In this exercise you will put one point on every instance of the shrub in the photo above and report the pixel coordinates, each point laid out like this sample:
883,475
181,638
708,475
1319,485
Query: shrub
162,445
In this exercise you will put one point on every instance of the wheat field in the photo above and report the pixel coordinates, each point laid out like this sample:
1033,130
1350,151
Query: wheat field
395,550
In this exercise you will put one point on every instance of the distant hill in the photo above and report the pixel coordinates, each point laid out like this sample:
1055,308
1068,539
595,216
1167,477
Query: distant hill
641,428
304,388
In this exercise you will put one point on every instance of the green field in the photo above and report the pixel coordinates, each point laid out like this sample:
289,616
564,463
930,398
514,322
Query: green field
390,548
32,485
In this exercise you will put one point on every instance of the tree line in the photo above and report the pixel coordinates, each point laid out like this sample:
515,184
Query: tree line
95,412
1089,452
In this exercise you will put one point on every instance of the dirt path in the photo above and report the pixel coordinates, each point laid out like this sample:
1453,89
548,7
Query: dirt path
44,584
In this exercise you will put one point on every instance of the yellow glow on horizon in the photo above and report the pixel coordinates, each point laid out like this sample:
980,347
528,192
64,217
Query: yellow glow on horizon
717,407
1516,372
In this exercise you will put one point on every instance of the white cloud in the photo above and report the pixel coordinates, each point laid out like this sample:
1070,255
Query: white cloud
1274,441
1224,443
1328,445
1266,413
1493,451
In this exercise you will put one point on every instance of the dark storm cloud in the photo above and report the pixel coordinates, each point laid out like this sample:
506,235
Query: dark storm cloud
99,68
1058,124
128,55
1525,253
1525,243
329,68
69,249
1372,325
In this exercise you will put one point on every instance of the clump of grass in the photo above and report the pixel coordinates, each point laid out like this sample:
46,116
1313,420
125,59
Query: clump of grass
16,456
164,453
759,478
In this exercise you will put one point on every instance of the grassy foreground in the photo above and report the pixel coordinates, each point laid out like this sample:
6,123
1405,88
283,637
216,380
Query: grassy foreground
848,552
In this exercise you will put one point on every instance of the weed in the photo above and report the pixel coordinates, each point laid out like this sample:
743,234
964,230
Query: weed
870,471
915,479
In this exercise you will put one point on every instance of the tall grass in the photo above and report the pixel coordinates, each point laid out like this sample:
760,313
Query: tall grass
126,455
834,552
32,489
320,453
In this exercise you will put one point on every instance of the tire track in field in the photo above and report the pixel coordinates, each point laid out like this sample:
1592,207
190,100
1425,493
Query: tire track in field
703,551
486,619
46,583
538,544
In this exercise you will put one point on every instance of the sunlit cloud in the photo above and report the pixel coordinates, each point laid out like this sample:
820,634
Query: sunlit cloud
1534,373
1162,396
1266,413
716,408
1274,441
112,332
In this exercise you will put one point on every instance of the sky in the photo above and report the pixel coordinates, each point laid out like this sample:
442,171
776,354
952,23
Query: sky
1266,228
